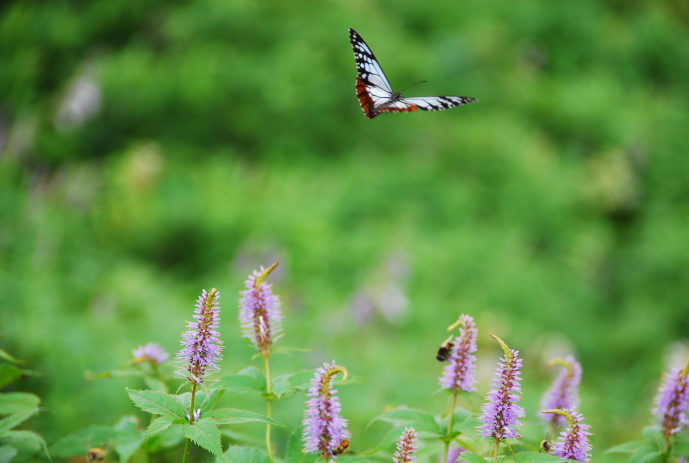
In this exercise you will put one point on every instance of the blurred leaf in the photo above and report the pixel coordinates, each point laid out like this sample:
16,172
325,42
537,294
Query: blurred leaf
9,374
293,452
155,384
157,403
681,448
205,434
238,454
390,438
653,434
4,355
241,437
282,387
165,439
7,453
129,437
627,447
418,419
471,457
124,372
348,458
536,457
28,436
248,381
235,416
645,454
211,399
79,442
13,402
15,420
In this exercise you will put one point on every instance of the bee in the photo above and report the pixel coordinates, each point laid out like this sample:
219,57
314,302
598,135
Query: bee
445,350
342,448
95,455
546,445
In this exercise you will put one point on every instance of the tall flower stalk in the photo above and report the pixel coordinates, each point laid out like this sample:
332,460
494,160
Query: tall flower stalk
500,413
260,314
324,428
573,443
460,373
672,402
563,393
202,349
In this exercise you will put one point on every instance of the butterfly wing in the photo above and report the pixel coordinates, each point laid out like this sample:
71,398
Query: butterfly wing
372,86
434,103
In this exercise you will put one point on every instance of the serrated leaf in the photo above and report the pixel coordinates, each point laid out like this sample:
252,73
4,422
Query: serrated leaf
236,416
211,399
15,420
157,403
471,457
14,402
205,434
159,424
79,442
239,454
627,447
30,436
418,419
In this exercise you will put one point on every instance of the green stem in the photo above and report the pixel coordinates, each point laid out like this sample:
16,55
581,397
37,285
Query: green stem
191,421
449,427
269,390
497,447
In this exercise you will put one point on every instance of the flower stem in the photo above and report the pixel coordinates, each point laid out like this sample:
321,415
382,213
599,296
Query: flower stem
191,421
497,447
269,390
449,427
186,451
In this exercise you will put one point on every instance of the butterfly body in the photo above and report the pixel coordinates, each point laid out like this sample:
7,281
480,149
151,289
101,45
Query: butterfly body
375,92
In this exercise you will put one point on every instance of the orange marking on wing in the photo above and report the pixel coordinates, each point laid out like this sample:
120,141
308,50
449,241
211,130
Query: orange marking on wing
364,98
408,109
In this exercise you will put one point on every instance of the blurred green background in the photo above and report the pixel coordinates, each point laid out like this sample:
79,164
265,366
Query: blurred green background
151,149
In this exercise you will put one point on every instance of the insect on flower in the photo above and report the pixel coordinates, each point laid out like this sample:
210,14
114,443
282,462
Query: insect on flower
445,350
342,448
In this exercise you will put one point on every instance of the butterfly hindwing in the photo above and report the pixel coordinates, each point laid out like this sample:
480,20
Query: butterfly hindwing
375,92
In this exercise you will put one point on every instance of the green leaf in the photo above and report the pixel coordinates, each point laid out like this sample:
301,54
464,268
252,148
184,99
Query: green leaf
155,384
238,454
4,355
627,447
79,442
205,434
211,399
282,387
681,448
645,454
250,380
236,416
653,434
129,437
159,424
294,453
418,419
9,374
15,419
348,458
29,436
157,403
14,402
168,438
536,457
7,453
471,457
301,381
391,437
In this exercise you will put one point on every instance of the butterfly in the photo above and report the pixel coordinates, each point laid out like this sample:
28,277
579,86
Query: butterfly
375,92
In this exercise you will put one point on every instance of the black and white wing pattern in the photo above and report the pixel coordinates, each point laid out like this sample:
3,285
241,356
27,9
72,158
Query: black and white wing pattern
375,92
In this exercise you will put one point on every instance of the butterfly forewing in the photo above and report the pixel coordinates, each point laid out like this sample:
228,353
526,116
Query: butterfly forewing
375,92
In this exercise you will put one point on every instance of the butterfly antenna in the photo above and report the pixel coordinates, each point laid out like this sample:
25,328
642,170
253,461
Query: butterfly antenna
423,81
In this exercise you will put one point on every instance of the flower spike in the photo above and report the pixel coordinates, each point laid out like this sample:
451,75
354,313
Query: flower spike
324,429
151,352
260,311
564,392
500,413
406,448
573,443
202,346
460,373
672,401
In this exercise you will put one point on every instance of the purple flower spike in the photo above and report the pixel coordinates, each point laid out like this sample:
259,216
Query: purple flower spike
672,402
152,352
202,346
564,392
460,373
260,311
500,413
406,448
324,429
573,443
